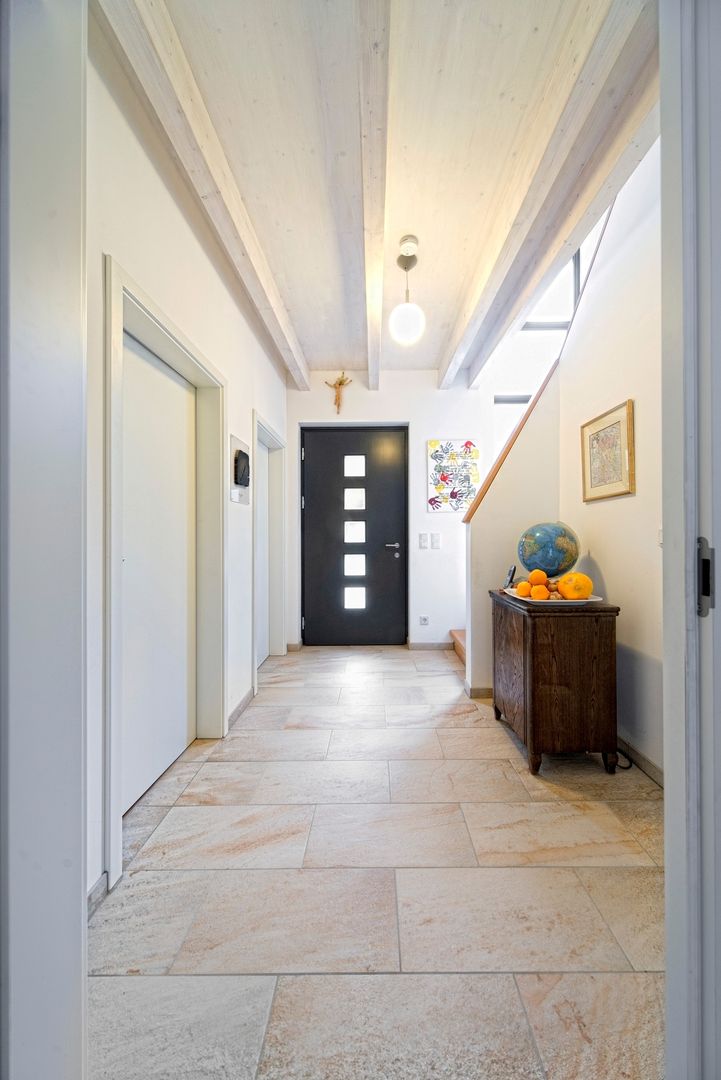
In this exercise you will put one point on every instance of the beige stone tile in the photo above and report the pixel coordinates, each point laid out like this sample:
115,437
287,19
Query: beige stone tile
467,714
398,1027
584,777
597,1027
551,834
644,820
323,781
382,664
449,696
292,677
455,781
272,921
199,750
436,659
141,924
224,783
426,680
227,837
272,746
310,676
384,744
492,919
159,1027
171,785
138,824
488,743
631,901
262,718
297,695
398,834
386,694
336,716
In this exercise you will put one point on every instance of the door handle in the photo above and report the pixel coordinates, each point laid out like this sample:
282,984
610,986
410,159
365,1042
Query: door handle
396,545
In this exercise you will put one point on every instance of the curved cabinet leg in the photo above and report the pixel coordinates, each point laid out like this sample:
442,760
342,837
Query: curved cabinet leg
534,763
610,761
497,712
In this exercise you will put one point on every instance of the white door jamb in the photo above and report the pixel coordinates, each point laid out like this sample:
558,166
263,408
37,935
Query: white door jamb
129,309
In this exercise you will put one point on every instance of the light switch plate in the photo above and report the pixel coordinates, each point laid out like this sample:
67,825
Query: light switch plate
436,541
422,540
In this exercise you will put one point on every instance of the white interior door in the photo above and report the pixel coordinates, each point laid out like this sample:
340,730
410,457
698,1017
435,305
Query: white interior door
262,536
158,569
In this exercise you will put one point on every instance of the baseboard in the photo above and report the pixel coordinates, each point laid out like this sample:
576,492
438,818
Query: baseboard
430,645
98,893
478,691
639,759
240,707
294,646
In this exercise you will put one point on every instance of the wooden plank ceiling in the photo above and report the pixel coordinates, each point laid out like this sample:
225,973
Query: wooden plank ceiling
318,132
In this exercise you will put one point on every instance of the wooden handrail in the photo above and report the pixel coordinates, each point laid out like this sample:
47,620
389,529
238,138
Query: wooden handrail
483,490
496,467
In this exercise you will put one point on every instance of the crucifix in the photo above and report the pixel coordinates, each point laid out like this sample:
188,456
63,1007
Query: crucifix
339,385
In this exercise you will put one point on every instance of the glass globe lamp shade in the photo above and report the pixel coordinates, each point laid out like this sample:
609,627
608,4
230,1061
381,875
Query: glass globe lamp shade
406,324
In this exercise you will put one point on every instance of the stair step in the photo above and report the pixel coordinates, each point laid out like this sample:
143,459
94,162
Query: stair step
459,643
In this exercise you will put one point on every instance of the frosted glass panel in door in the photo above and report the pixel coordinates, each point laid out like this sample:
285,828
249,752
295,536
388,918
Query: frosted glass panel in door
157,595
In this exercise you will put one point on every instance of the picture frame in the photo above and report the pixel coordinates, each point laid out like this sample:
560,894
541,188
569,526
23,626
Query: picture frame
608,460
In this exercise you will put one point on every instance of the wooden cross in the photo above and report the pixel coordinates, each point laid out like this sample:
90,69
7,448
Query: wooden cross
339,385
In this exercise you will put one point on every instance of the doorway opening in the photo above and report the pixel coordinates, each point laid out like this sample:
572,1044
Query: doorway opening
354,535
165,548
268,495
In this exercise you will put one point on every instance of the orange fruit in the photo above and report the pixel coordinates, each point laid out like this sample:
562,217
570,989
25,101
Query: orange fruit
538,577
539,592
575,586
523,588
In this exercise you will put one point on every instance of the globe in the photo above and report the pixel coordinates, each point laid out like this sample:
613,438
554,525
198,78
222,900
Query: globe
550,546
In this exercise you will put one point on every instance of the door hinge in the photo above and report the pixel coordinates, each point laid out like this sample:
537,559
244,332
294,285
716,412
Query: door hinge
705,569
302,453
302,502
302,622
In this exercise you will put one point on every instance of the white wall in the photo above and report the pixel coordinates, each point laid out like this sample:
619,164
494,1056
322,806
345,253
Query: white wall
42,486
140,211
614,353
525,491
436,578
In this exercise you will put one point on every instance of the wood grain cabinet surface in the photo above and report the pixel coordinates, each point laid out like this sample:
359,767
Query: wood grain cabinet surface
554,676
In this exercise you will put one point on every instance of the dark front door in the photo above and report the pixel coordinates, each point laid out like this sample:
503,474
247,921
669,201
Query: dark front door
355,535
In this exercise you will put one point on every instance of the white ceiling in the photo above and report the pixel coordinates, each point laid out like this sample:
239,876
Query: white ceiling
487,102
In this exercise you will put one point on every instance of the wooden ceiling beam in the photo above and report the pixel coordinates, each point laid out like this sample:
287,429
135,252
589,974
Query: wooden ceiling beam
608,124
147,37
373,19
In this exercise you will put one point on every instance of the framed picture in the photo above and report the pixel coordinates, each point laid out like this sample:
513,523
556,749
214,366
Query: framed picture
607,454
453,475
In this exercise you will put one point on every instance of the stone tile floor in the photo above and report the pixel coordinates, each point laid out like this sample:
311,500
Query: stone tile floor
364,882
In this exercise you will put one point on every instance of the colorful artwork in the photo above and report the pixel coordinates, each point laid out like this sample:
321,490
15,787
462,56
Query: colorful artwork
453,475
607,457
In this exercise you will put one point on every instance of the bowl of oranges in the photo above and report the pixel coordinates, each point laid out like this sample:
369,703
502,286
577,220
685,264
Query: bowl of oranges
538,588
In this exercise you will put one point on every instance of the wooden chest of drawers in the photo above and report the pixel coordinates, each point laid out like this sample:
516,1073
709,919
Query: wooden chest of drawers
554,676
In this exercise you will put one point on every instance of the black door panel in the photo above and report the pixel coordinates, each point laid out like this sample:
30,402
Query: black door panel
355,535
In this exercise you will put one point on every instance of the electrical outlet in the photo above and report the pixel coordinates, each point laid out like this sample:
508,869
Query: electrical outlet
424,620
423,540
436,541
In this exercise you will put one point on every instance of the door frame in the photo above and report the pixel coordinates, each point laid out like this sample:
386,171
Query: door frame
331,425
130,310
690,38
266,435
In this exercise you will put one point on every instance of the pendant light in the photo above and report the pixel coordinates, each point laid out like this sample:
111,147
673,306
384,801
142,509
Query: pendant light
407,321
